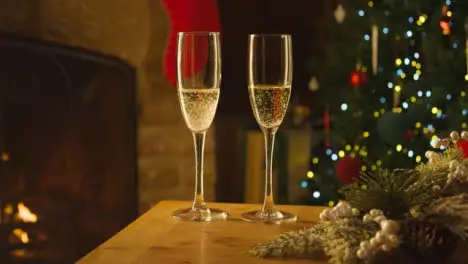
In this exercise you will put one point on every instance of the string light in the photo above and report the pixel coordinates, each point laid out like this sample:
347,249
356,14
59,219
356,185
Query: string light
344,107
334,157
405,66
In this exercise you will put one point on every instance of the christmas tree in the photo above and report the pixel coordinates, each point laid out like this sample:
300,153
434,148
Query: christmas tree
391,81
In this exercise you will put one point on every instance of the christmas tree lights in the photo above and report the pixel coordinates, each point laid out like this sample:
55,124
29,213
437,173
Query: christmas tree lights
394,74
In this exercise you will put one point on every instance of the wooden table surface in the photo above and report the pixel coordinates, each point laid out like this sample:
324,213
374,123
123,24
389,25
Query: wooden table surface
156,238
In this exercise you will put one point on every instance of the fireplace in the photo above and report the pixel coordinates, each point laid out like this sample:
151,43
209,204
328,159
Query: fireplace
68,178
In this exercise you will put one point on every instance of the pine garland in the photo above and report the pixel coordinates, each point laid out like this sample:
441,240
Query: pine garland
426,206
339,240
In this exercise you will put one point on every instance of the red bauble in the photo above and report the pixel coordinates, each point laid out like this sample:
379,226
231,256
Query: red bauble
463,145
358,78
188,15
348,169
409,134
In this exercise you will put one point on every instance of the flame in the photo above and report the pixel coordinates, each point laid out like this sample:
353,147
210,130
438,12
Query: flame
21,235
25,214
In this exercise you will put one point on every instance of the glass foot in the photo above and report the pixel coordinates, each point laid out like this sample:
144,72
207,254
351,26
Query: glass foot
200,215
275,217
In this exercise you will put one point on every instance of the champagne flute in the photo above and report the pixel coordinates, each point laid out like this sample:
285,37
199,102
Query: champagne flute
198,85
269,81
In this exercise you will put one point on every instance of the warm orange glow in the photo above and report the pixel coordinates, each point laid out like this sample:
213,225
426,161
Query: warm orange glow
25,215
21,235
5,156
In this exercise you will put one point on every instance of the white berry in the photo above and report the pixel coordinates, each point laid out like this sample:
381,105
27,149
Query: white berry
380,237
324,215
375,212
355,212
386,248
429,154
435,143
362,253
454,135
450,175
345,205
393,240
379,219
367,218
453,165
390,227
374,242
464,134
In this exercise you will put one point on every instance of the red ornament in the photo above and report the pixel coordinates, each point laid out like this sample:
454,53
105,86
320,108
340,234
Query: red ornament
188,15
358,78
409,134
326,127
463,145
348,169
355,79
445,26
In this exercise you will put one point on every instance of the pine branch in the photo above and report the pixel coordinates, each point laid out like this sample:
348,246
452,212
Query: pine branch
450,212
398,193
442,163
297,243
339,240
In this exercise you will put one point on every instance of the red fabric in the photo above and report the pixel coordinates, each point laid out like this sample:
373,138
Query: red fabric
187,15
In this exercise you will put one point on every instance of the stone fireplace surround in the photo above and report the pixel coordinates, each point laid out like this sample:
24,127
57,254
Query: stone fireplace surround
136,32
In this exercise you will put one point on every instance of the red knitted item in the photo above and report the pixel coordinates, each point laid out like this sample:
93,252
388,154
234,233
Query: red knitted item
188,15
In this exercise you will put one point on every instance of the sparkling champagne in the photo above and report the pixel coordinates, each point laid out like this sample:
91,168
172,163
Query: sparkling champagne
269,104
198,107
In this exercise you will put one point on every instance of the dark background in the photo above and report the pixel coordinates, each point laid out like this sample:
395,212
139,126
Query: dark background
300,18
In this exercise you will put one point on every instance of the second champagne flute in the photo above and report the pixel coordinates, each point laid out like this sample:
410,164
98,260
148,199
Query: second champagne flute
269,81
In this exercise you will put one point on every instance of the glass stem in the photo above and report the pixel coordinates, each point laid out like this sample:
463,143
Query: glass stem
268,203
199,143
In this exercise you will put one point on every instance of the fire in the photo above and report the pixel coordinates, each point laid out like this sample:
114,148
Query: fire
21,235
25,215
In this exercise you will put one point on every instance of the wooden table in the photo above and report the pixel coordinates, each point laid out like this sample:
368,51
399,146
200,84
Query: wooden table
156,238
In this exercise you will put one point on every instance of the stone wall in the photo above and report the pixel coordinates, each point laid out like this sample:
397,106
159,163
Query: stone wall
135,31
